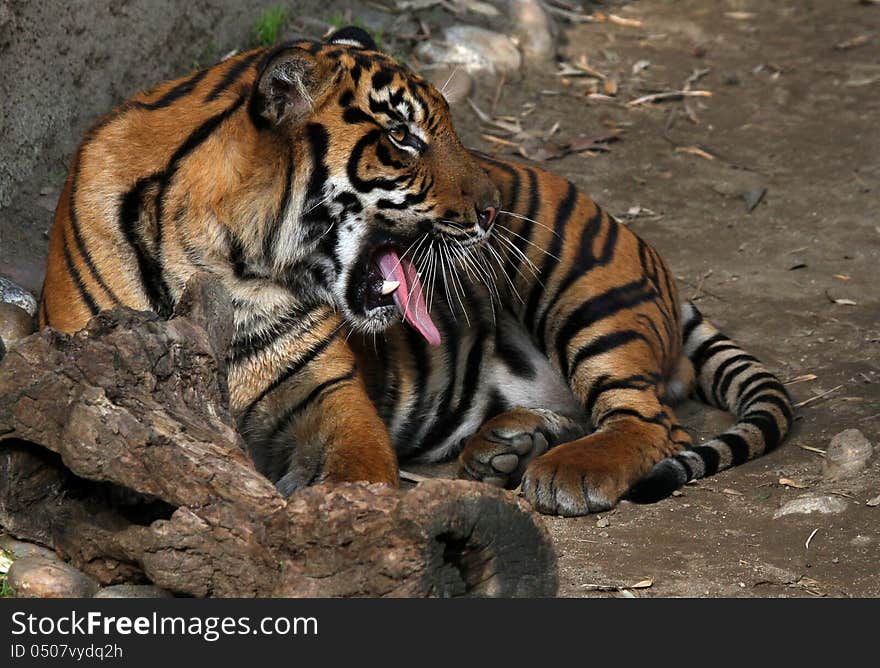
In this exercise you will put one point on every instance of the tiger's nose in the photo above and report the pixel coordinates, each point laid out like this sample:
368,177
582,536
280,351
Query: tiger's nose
486,217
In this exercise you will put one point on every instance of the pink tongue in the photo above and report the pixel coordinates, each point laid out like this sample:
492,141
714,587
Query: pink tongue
409,297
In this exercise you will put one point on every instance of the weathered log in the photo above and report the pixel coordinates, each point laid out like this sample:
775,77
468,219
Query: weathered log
138,403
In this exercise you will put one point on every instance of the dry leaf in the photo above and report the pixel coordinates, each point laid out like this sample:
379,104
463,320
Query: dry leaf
640,65
668,95
500,140
619,20
643,584
540,151
873,503
594,142
695,150
845,302
788,482
853,42
732,492
842,277
802,379
740,16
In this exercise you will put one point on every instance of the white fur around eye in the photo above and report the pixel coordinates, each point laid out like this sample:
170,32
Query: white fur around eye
402,147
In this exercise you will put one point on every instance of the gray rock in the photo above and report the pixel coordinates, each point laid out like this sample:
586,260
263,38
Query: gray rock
474,49
453,81
807,505
38,577
133,591
15,323
533,30
20,549
12,293
847,454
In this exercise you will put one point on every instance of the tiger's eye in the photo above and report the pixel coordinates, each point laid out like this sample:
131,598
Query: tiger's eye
398,134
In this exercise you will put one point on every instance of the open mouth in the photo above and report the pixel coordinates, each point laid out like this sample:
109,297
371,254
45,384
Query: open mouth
392,281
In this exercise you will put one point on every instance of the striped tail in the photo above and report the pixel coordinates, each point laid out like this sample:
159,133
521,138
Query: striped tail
729,378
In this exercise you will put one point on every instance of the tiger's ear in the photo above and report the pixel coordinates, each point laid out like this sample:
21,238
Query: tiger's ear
287,87
353,36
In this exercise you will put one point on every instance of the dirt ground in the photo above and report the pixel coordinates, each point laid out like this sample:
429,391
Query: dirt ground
794,108
792,112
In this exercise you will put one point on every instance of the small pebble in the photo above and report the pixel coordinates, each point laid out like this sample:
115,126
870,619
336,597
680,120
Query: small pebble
533,29
15,323
13,293
20,549
133,591
604,534
847,454
38,577
474,49
807,505
602,522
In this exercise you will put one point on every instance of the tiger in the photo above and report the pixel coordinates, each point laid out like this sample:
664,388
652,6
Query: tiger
396,296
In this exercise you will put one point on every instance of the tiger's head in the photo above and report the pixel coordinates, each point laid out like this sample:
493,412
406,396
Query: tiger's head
380,180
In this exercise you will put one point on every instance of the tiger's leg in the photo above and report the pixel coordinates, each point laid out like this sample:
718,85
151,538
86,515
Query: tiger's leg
590,474
304,409
500,450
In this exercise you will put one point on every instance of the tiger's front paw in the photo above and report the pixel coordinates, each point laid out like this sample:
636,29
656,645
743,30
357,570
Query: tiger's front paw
502,448
570,480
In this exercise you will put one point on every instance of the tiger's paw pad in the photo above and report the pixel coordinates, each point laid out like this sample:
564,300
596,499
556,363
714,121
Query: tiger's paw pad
497,455
559,488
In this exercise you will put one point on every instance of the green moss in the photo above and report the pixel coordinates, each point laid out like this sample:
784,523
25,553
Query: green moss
267,29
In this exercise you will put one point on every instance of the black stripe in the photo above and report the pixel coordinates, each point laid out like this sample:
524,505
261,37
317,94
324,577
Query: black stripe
781,403
747,392
253,343
702,353
710,458
185,87
293,367
584,262
603,344
152,279
721,383
449,422
80,243
515,359
739,447
291,413
44,311
405,442
84,294
564,211
597,308
606,384
270,240
232,75
659,418
766,423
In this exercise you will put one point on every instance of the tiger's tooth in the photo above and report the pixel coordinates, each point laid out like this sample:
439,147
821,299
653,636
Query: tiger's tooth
389,286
